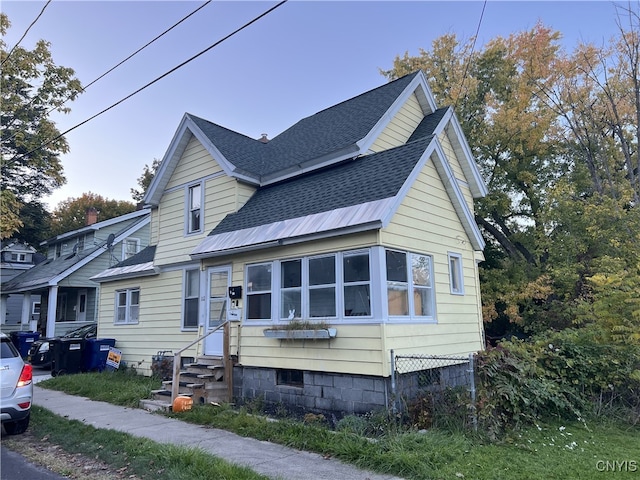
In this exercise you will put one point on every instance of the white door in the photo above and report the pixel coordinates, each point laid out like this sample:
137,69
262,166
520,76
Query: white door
218,283
81,306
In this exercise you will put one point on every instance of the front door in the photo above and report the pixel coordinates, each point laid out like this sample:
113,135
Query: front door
219,280
81,306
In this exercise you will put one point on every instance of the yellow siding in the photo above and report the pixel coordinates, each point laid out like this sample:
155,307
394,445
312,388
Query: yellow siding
159,325
357,349
398,131
196,163
458,329
223,195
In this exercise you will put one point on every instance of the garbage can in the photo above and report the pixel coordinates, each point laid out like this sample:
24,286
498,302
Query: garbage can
23,341
95,354
66,355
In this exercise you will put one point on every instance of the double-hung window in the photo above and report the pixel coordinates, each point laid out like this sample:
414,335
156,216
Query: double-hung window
258,292
190,311
357,284
409,284
322,286
291,289
127,306
194,209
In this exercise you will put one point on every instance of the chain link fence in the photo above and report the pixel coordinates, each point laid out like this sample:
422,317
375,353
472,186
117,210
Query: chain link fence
434,390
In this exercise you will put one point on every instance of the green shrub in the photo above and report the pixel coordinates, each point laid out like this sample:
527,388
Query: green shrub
566,374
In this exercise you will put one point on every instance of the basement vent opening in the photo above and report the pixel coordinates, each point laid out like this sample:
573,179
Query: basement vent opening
290,378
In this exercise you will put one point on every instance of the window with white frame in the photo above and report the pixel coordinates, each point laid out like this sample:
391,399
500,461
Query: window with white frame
409,284
322,286
258,291
311,287
127,306
456,278
130,247
357,284
190,312
194,208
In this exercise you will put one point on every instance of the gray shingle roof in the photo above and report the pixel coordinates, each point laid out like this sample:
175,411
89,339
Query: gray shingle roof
364,179
145,255
328,131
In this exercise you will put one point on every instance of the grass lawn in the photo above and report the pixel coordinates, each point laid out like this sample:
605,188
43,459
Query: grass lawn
593,450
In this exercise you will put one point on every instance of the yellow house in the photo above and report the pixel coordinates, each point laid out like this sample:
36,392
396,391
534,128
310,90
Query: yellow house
356,222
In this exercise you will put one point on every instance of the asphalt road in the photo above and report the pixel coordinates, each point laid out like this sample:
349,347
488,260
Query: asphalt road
15,466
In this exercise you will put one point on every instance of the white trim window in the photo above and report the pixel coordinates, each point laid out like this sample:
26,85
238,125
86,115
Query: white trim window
410,285
127,306
130,247
258,291
191,309
456,277
194,209
318,287
356,271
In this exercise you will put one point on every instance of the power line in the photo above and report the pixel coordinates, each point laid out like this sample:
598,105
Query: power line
473,47
26,31
84,89
156,79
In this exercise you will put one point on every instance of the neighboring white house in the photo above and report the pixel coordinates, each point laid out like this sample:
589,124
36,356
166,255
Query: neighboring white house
360,217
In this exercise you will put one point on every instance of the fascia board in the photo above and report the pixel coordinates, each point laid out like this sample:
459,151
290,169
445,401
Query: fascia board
456,197
335,157
97,252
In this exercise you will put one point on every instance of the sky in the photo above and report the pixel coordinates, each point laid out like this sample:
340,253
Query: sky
300,58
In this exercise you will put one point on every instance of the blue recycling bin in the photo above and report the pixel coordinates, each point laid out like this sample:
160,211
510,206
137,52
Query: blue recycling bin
96,351
23,341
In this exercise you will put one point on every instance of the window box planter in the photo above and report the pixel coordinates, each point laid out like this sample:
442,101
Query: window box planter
288,334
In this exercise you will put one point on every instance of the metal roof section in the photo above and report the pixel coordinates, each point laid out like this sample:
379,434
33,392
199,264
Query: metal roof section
337,222
131,271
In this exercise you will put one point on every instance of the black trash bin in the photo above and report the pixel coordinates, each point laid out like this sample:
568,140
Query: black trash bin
95,354
66,355
23,341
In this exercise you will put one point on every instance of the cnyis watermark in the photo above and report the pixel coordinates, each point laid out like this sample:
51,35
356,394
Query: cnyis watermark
617,466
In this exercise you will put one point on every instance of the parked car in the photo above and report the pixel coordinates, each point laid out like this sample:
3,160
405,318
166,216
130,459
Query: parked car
17,388
40,351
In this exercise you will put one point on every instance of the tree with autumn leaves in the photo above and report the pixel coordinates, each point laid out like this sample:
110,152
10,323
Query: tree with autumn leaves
556,136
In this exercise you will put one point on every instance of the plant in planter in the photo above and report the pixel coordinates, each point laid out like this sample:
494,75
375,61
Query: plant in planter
301,329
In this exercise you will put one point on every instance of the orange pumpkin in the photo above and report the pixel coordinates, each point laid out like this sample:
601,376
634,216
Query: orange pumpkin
180,404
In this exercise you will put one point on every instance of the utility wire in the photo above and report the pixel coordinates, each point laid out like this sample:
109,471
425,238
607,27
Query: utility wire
84,89
473,47
26,31
157,79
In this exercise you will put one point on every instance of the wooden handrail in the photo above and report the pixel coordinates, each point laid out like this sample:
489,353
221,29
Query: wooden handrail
175,380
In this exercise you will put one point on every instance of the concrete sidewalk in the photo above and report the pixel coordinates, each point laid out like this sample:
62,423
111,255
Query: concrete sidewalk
266,458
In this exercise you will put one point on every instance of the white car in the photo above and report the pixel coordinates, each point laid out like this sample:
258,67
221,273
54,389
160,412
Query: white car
16,378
